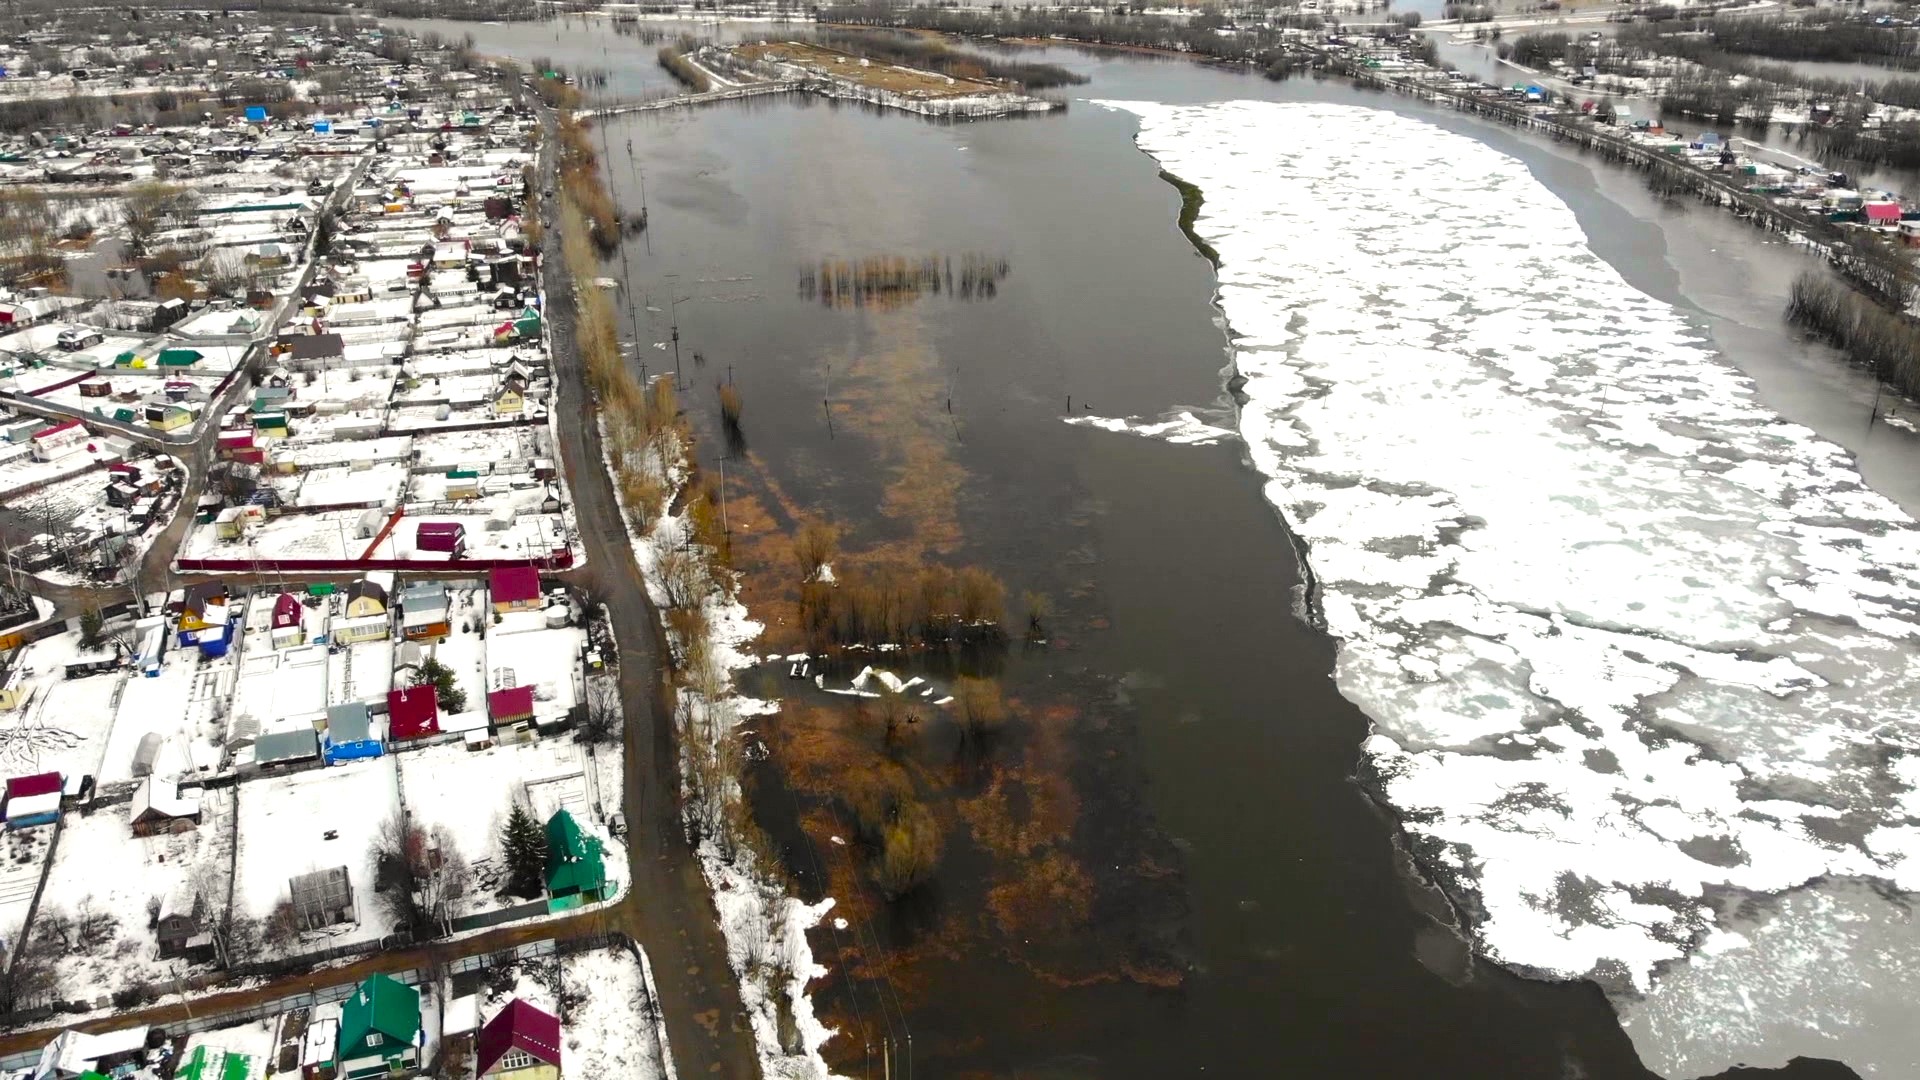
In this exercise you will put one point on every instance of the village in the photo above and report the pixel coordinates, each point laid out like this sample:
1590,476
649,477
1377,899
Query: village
1581,95
286,680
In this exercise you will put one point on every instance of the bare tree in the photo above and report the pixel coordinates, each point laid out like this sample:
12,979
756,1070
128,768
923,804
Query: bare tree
604,717
426,877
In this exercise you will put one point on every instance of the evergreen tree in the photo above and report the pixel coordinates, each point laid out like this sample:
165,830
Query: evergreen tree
525,846
446,688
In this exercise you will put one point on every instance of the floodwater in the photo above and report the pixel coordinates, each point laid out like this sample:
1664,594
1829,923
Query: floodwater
1205,737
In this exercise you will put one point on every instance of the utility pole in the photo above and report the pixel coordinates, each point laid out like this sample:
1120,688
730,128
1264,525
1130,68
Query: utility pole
675,306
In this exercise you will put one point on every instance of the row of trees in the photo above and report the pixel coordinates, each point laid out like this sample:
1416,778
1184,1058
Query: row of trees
1207,34
674,59
1886,342
1832,35
935,607
927,54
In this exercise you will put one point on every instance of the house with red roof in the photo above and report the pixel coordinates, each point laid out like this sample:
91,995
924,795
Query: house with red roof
514,588
56,442
521,1042
506,708
289,622
412,713
33,800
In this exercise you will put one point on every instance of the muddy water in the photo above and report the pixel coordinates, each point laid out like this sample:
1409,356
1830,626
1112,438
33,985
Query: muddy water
1210,759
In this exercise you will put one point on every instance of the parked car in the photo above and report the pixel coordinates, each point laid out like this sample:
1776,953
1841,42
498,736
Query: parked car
617,825
78,337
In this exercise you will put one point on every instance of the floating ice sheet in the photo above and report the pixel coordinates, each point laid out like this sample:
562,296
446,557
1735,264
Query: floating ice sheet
1627,635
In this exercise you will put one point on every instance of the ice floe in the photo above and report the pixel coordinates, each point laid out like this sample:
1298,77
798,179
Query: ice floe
1181,427
1632,643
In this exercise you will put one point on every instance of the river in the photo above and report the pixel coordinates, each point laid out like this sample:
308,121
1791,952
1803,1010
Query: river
1180,754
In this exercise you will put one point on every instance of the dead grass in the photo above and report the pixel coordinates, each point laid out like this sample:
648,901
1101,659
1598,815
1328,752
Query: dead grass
877,74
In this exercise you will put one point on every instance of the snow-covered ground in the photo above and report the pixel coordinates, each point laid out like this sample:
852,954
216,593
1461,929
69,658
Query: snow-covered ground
102,871
613,1031
295,824
470,791
1632,642
185,702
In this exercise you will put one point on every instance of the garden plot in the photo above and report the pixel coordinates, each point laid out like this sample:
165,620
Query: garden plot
502,449
362,671
523,651
242,1052
464,650
316,820
614,1029
528,536
26,852
339,485
455,391
425,418
184,703
63,730
458,362
337,389
471,791
277,687
107,884
300,536
25,472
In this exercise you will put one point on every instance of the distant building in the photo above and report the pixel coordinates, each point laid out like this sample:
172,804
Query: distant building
316,350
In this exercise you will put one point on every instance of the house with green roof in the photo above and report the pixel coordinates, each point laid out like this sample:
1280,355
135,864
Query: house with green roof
576,871
379,1028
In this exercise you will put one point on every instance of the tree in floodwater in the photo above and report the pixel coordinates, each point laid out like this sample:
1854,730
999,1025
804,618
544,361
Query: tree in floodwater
910,849
982,711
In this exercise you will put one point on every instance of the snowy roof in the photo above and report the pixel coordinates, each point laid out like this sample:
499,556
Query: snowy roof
163,798
74,1052
513,703
291,745
461,1016
316,1047
32,805
348,722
